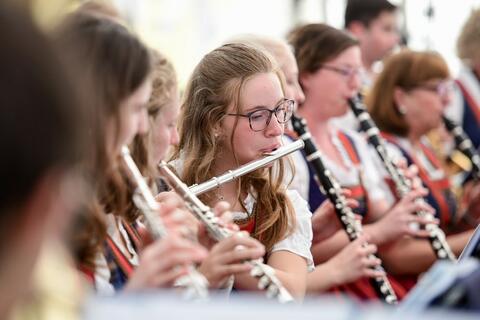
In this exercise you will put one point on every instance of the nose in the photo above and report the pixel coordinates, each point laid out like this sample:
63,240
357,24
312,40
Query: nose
355,82
274,128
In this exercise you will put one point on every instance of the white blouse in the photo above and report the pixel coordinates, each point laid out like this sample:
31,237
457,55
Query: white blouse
301,178
433,172
300,240
366,174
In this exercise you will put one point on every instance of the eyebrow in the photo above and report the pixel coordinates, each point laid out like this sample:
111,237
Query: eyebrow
255,108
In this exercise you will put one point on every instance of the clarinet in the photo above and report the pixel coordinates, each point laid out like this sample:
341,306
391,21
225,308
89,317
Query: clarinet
331,188
436,237
464,144
194,282
265,274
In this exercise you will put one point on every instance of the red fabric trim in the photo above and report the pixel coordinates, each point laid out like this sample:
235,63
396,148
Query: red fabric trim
249,227
88,272
133,234
352,153
122,261
435,187
357,191
363,290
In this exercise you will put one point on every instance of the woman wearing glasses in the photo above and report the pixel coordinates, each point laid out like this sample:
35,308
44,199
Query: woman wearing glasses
234,112
407,102
351,262
329,61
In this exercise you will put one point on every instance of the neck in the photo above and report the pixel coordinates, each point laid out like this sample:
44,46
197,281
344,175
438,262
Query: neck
367,65
227,191
414,137
317,123
367,61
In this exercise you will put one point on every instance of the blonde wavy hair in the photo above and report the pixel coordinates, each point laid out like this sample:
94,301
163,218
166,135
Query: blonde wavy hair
217,82
164,84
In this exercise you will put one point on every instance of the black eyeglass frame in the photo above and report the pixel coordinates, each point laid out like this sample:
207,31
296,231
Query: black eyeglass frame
291,105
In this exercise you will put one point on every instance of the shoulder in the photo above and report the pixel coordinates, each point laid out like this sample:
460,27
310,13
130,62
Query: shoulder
300,240
299,204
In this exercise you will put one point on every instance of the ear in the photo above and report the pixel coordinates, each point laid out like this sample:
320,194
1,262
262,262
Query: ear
357,29
218,129
399,96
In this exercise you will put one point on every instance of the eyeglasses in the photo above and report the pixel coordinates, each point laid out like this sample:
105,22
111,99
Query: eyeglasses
347,72
442,88
260,118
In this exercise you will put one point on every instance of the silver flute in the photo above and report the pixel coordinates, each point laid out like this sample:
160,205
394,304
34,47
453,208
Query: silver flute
195,284
265,274
437,237
231,175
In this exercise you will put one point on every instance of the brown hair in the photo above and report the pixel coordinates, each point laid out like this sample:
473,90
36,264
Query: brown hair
468,43
216,83
317,43
406,70
114,63
365,11
41,121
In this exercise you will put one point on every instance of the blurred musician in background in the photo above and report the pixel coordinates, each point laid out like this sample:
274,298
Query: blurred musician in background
329,61
464,108
374,23
406,102
117,68
43,143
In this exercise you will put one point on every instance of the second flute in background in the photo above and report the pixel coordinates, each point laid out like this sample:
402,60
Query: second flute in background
195,284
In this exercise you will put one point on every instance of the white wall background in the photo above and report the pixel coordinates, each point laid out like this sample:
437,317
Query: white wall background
187,29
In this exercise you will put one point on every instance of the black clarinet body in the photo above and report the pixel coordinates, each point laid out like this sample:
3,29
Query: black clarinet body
331,188
464,145
437,237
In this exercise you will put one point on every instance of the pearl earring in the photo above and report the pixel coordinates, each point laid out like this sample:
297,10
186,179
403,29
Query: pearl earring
402,110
